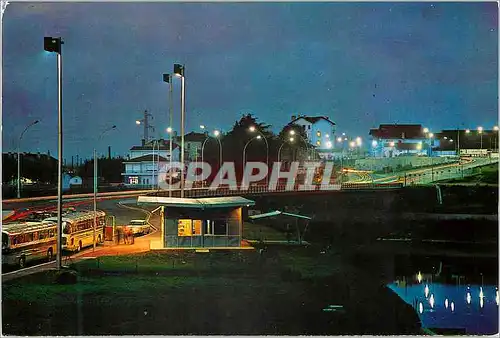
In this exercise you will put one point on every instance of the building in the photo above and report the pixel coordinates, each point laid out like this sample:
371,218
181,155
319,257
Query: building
199,223
192,144
146,161
320,131
391,140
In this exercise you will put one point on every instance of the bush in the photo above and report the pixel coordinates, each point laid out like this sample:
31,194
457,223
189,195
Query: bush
66,277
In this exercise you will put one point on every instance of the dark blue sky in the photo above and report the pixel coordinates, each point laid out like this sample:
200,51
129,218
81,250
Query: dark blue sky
361,64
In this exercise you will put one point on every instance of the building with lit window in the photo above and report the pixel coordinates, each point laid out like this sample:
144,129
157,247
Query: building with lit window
320,131
144,162
392,140
199,223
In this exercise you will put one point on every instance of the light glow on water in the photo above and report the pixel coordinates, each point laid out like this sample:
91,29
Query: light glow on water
469,298
426,291
450,309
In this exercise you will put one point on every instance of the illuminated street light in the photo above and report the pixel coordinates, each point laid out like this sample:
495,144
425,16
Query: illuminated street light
419,277
391,144
19,158
352,144
480,131
259,137
51,44
179,71
202,126
291,139
216,133
137,122
445,137
467,131
431,135
252,129
169,130
426,130
374,143
327,136
358,141
339,139
495,128
292,132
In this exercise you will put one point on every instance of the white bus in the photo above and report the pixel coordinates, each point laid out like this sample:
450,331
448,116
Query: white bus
78,229
27,241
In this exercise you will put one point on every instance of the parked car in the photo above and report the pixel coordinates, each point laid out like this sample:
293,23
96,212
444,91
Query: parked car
139,226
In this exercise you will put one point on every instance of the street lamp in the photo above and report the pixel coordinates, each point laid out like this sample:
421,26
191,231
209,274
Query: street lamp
179,71
19,158
95,184
168,78
253,129
495,128
54,45
292,133
216,136
426,130
291,139
480,131
258,137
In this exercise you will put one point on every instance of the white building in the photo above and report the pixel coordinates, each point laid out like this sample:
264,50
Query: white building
320,131
391,140
145,161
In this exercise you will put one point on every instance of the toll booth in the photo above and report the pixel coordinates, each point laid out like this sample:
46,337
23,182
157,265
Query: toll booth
199,223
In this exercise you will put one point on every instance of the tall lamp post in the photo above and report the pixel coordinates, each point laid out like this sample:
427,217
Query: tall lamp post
253,129
19,158
168,78
495,129
293,133
480,131
291,139
258,137
170,131
217,137
95,185
54,45
179,71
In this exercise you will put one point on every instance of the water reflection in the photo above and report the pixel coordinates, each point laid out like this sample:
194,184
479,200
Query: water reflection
449,306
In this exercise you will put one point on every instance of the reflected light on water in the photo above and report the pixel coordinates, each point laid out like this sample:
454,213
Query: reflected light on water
446,303
426,291
468,297
421,307
431,301
496,297
452,306
481,294
481,302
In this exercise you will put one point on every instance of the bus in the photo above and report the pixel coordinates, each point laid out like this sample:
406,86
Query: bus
78,229
28,241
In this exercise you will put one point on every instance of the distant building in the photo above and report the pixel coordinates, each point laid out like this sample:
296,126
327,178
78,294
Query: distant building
320,131
144,162
192,145
391,140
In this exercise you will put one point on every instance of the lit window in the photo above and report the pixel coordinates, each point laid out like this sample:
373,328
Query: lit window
318,143
318,133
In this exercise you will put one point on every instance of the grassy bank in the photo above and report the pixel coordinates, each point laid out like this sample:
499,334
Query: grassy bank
282,291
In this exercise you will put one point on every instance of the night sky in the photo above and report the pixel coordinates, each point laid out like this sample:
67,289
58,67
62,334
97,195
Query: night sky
361,64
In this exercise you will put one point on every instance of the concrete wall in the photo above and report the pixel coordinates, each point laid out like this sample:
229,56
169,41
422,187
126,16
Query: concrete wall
378,164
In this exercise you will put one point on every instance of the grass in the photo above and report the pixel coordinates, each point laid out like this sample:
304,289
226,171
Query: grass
486,175
262,230
282,291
